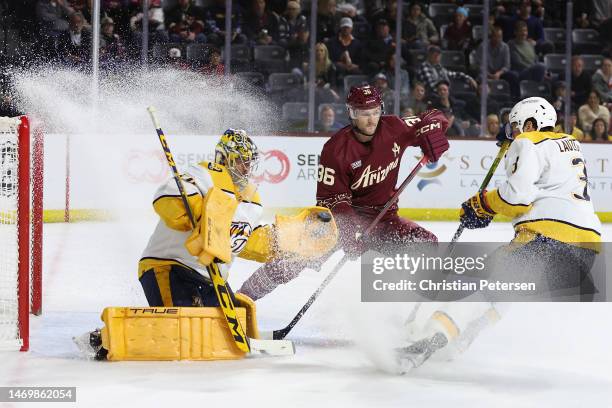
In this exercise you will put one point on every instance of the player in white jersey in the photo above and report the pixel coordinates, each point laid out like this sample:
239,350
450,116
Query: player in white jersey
557,233
171,270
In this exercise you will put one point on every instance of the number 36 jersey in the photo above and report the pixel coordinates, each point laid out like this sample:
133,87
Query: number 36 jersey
547,191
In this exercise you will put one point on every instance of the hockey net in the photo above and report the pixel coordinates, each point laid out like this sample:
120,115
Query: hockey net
21,153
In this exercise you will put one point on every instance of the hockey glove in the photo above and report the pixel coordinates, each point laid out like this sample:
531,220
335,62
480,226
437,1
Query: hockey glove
431,135
475,212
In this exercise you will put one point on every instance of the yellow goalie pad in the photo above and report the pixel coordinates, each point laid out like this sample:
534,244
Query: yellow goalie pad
211,237
172,333
310,234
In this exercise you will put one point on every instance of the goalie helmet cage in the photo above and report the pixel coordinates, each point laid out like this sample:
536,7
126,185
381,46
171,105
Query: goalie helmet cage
21,180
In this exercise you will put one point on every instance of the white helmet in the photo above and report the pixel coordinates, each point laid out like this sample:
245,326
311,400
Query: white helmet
535,107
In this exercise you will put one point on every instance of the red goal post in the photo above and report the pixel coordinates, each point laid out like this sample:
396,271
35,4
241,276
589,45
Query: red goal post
21,221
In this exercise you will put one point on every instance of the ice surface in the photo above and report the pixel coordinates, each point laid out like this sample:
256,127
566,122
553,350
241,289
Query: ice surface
553,355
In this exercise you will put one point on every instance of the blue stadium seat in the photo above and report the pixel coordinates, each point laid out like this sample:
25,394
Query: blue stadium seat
283,81
592,62
254,78
354,80
534,88
555,63
453,60
586,41
295,111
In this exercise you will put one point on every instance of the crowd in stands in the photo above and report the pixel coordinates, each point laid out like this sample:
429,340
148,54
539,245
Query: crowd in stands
441,52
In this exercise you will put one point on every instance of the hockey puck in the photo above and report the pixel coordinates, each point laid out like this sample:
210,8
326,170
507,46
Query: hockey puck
324,216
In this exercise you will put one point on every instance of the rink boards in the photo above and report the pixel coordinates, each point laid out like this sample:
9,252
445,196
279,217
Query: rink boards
110,173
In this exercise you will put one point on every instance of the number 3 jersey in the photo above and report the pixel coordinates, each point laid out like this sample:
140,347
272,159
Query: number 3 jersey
547,190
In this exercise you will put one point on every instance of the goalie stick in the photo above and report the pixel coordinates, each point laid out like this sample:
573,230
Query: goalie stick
222,289
281,333
502,151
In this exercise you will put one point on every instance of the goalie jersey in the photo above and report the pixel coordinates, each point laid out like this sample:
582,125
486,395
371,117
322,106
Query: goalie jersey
547,190
249,239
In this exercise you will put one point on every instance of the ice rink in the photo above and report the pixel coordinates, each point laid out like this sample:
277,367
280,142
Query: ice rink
538,355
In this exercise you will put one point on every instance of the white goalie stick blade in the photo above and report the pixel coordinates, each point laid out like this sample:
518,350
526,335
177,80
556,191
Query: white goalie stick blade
272,347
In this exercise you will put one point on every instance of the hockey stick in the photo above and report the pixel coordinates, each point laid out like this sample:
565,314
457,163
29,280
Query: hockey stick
502,151
281,333
222,289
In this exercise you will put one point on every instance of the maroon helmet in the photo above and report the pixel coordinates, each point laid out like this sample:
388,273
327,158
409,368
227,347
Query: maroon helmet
363,97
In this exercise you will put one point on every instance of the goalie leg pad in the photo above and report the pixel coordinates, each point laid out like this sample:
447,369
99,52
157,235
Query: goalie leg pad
169,333
172,284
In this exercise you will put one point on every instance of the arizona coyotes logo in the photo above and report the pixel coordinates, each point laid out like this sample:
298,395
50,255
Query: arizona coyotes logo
395,149
239,234
370,177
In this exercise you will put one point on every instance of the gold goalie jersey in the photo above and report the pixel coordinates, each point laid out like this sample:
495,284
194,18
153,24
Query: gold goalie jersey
248,238
547,190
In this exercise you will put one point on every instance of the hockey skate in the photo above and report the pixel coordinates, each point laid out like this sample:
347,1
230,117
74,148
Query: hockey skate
90,345
418,352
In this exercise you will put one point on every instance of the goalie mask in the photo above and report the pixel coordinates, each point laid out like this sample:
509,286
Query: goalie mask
237,152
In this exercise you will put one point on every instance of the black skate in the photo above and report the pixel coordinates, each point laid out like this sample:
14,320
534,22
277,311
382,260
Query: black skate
90,344
418,352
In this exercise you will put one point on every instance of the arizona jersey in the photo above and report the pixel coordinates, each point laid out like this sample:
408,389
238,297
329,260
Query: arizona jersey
356,176
167,244
547,190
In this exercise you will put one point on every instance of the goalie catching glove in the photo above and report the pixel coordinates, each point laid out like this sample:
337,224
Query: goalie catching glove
475,213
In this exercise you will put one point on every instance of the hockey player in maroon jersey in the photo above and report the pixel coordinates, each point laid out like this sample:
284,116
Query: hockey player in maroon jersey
358,172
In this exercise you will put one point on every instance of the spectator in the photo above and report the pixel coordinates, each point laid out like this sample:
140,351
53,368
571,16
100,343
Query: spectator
523,58
535,28
581,81
111,46
175,60
458,35
183,10
424,28
299,50
83,7
345,50
378,48
52,16
157,29
388,94
187,32
295,19
591,111
498,61
326,20
328,123
574,130
493,128
215,20
558,101
117,11
74,45
431,72
215,67
450,106
602,81
404,78
260,19
417,101
599,131
325,69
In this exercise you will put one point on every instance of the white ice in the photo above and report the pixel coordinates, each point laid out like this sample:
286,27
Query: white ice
538,355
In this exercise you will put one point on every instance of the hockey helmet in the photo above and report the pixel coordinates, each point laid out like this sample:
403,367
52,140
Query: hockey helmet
536,108
239,154
363,98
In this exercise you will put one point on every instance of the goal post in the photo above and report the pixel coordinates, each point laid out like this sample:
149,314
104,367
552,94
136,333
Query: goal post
21,171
